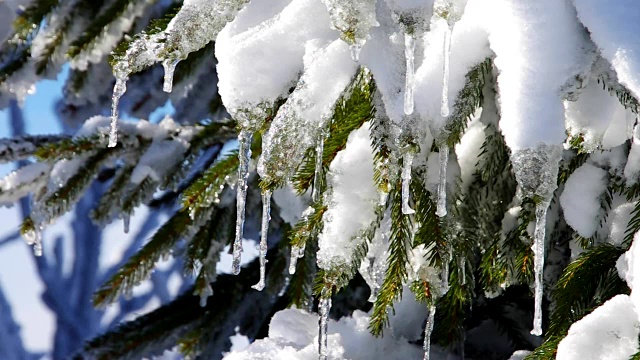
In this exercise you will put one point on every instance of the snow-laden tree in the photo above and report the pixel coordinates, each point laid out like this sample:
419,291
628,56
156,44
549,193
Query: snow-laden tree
441,150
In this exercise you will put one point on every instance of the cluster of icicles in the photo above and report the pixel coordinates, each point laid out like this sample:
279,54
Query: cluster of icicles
245,139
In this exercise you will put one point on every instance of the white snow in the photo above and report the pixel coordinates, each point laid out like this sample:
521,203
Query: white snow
628,268
580,199
613,25
632,169
328,69
352,199
618,220
257,63
610,332
539,47
291,206
468,150
595,115
293,336
21,182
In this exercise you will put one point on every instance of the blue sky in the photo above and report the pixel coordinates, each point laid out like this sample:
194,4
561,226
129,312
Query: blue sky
17,271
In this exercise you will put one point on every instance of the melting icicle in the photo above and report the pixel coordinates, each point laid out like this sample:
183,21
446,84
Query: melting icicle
538,251
407,162
444,106
297,252
266,216
118,90
169,68
409,49
355,51
536,171
445,273
323,309
244,155
441,209
428,329
205,293
317,177
462,271
126,219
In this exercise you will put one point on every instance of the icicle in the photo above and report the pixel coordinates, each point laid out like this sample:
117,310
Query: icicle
441,209
317,177
355,51
323,309
34,237
428,329
409,49
407,162
536,171
444,106
244,154
169,68
445,273
538,251
205,293
126,219
264,232
462,271
118,90
297,252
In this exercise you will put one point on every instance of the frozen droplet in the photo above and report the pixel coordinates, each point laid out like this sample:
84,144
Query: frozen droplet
37,248
409,50
126,219
323,308
118,90
428,329
355,51
266,216
33,237
538,251
244,156
297,252
407,162
444,106
319,170
169,68
441,206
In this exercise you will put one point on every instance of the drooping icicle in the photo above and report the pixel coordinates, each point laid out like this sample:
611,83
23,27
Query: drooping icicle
536,171
441,208
297,252
118,90
266,216
169,68
407,162
428,329
462,271
126,220
444,106
323,308
244,156
538,251
317,177
445,271
409,50
355,51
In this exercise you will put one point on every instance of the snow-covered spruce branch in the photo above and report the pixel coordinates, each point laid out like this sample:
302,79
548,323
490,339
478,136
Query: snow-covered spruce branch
470,101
